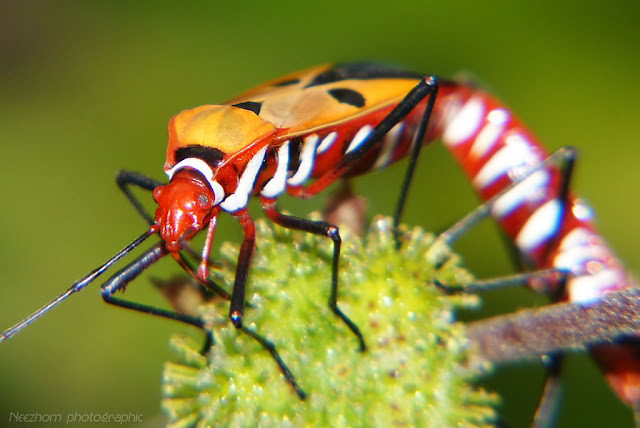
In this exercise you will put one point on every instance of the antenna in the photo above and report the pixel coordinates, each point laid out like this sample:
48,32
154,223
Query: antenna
77,286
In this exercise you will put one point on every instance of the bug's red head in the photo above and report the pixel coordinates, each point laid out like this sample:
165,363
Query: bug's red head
185,206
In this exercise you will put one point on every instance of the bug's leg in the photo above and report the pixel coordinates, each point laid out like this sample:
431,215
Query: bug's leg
426,87
321,228
552,275
236,308
564,155
546,411
120,280
416,145
125,178
269,346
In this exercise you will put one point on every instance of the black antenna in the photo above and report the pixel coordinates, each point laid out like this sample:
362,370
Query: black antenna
77,286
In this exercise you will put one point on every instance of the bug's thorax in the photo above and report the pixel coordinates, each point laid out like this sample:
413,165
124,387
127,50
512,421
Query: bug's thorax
204,155
214,132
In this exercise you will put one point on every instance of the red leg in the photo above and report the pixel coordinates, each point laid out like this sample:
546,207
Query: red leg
236,309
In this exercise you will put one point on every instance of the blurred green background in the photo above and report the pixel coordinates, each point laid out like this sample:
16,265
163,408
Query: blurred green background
87,88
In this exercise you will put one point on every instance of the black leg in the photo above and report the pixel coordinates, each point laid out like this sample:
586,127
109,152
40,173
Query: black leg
546,412
565,155
122,278
567,160
321,228
555,276
269,346
427,86
413,158
125,178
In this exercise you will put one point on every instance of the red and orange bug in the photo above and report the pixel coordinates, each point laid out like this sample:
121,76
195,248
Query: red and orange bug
332,122
321,123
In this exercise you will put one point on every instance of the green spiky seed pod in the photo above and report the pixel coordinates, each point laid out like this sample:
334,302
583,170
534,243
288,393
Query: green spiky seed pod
413,372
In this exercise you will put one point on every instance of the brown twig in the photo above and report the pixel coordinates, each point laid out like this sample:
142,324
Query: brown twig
562,327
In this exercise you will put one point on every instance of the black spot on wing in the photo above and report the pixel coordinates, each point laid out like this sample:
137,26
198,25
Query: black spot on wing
362,71
347,96
208,154
287,82
253,106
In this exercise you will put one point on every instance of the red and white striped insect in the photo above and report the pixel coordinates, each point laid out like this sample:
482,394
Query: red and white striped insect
300,133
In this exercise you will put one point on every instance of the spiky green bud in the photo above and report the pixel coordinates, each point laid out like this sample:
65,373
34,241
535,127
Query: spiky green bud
413,372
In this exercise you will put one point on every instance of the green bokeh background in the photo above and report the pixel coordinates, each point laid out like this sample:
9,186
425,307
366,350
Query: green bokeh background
87,88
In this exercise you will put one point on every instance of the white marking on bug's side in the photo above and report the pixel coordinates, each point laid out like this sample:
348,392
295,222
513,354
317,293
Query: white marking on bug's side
240,197
576,238
327,142
542,225
515,155
307,154
389,144
490,133
465,124
203,168
582,211
277,183
589,288
360,136
529,190
575,259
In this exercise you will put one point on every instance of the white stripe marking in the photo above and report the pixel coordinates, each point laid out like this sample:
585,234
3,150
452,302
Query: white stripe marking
277,183
327,142
489,135
464,124
203,168
529,190
360,136
582,211
541,226
589,288
576,258
307,155
516,154
577,238
389,144
240,197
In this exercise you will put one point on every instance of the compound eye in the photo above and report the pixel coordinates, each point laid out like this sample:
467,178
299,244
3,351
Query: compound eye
157,192
203,201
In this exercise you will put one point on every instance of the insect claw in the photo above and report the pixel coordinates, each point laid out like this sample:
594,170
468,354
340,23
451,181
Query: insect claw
236,319
203,271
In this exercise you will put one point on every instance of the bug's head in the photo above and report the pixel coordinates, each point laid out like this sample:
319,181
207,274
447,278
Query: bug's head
185,206
202,164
